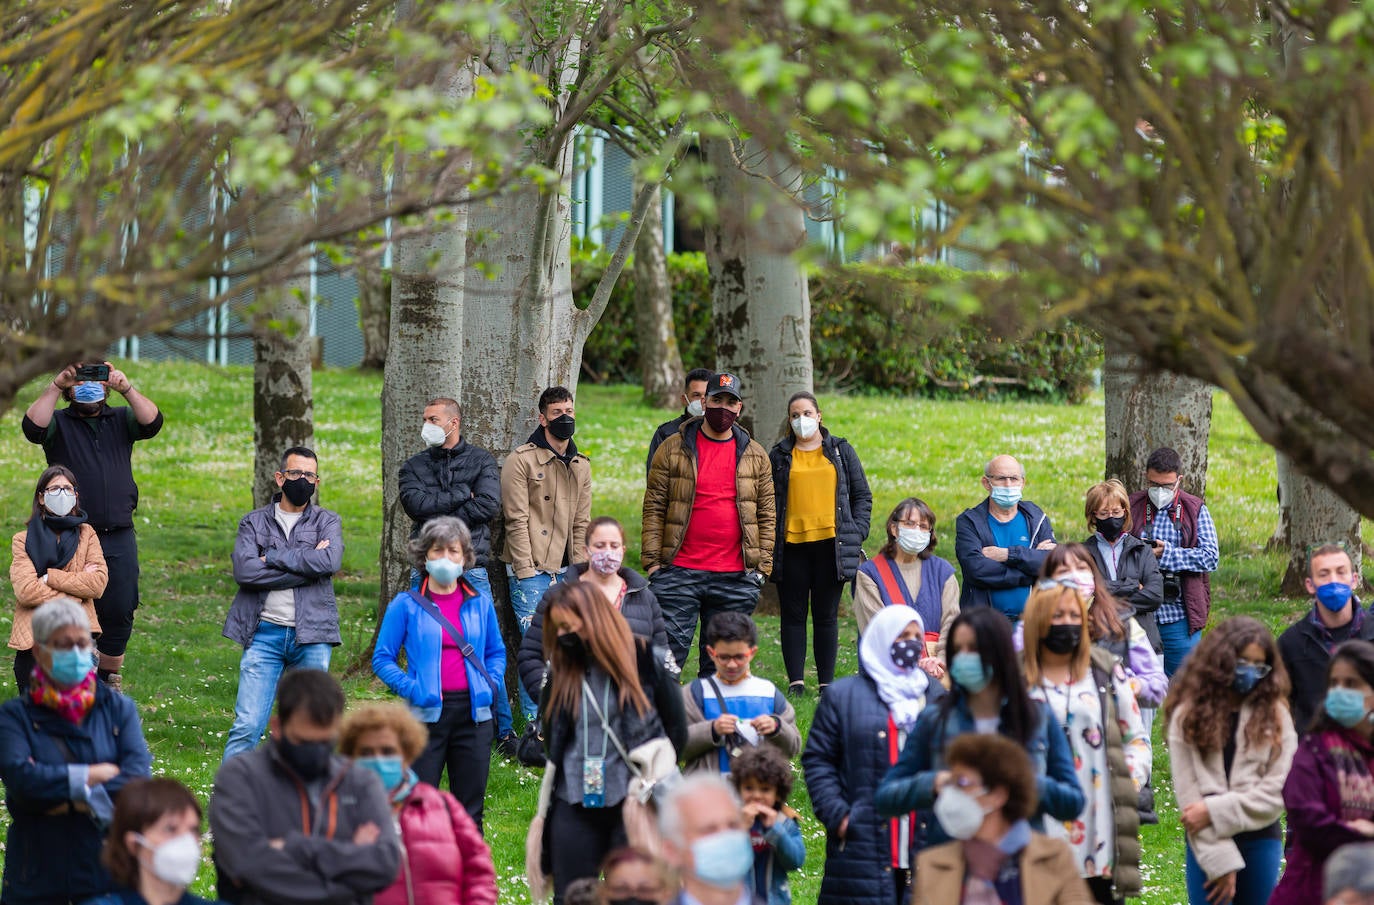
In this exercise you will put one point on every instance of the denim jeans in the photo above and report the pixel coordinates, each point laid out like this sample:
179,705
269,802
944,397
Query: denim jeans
524,599
1255,882
1178,644
272,651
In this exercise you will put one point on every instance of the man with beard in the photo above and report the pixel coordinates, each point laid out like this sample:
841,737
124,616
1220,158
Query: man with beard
96,440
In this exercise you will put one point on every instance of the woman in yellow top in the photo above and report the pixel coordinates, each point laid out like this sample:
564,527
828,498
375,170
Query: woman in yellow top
823,506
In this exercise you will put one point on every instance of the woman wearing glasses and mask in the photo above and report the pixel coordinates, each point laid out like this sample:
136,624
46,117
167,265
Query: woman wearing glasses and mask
1129,567
57,555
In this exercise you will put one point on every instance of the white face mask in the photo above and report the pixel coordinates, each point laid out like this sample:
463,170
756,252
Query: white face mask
432,434
59,503
695,409
176,860
958,812
912,540
1161,496
805,427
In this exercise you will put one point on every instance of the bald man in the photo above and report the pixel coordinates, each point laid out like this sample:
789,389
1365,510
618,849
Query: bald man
1002,542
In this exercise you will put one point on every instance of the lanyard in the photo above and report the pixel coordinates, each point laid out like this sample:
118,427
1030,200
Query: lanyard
605,729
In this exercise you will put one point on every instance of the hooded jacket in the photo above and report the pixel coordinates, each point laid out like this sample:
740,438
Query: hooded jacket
265,559
671,491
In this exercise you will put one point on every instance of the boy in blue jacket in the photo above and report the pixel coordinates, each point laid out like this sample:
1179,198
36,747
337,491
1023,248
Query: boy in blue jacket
763,777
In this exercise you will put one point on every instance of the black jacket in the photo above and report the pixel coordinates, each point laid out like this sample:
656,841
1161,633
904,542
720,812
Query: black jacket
640,609
847,755
461,481
853,501
99,451
665,430
1303,650
1138,581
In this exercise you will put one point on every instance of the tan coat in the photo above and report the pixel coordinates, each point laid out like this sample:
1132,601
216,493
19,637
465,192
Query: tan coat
1049,875
30,591
547,507
1250,799
671,491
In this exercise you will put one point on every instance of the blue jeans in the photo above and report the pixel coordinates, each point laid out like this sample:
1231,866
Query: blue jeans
1254,882
272,651
1178,644
524,599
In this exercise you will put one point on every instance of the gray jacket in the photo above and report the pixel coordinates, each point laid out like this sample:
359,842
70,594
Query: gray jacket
257,798
265,560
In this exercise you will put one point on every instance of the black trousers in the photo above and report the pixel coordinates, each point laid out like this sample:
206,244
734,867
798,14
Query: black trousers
464,747
808,577
579,838
23,669
115,609
686,595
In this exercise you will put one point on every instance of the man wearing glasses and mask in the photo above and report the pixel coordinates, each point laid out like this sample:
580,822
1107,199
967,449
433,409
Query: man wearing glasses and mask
1002,542
284,614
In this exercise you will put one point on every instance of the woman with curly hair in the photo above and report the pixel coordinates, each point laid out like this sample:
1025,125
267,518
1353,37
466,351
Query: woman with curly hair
1328,790
1231,741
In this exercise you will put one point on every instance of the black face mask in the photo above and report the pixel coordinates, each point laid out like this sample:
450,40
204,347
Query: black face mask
563,427
1063,639
721,418
309,760
298,491
1111,528
573,645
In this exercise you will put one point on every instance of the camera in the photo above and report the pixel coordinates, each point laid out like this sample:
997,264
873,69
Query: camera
1173,585
93,372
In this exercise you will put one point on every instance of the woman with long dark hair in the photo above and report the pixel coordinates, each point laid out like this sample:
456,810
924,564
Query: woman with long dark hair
57,555
823,506
1231,699
1328,790
987,694
607,694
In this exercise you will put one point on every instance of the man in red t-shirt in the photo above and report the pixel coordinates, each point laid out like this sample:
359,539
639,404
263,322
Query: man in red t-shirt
708,520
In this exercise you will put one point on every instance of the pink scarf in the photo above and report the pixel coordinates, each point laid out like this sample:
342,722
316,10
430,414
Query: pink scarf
72,704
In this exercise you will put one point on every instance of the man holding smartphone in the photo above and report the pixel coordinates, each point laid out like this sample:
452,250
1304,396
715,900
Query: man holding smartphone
96,441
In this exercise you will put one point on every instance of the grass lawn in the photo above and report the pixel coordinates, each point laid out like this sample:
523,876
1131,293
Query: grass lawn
195,479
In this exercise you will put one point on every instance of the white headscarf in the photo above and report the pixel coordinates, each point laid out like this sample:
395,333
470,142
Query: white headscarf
903,692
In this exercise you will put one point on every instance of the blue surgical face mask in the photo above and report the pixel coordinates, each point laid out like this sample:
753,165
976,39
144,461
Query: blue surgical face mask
71,666
388,768
444,570
968,672
1334,595
723,859
1345,706
90,391
1006,497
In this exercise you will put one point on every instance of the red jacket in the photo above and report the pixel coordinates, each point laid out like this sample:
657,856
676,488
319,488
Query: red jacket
444,859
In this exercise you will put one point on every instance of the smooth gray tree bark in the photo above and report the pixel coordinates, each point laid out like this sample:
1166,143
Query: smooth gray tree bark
660,359
1315,516
1146,411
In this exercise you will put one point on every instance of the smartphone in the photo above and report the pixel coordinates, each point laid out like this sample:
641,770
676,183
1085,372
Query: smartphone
93,372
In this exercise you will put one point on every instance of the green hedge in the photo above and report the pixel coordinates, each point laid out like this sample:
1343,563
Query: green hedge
873,329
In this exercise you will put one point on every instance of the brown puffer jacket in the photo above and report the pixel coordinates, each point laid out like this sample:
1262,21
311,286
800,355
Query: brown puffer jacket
672,489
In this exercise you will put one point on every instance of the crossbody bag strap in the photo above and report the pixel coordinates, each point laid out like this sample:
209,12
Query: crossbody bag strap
896,590
429,606
610,733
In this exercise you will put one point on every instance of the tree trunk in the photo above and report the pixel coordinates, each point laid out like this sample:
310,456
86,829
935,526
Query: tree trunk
283,393
660,360
761,312
1283,492
374,312
1316,516
1146,411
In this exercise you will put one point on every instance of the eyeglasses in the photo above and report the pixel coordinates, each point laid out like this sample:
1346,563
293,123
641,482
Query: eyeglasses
1005,480
61,491
731,658
1261,669
1163,485
970,785
1110,513
292,474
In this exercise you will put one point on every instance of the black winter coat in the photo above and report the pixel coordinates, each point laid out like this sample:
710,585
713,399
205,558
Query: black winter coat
640,609
1138,581
462,481
853,502
1303,649
847,754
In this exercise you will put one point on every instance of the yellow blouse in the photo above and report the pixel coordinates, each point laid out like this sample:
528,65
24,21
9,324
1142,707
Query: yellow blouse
810,497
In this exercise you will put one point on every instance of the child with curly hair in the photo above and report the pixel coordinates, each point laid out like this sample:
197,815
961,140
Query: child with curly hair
1232,742
763,777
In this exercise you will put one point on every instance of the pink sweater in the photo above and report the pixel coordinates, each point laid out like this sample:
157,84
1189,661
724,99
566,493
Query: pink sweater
445,859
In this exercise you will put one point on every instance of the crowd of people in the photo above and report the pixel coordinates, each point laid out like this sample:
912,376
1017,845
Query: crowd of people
994,745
